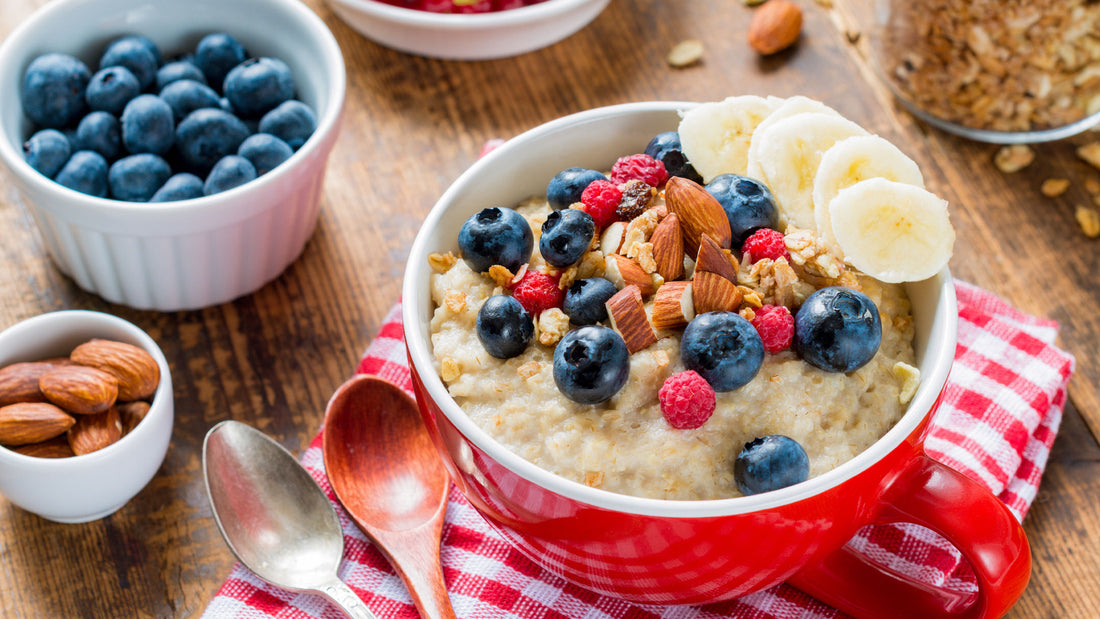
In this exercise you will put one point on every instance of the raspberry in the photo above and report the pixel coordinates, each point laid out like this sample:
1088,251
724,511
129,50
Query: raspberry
600,199
687,400
537,292
765,243
775,324
641,167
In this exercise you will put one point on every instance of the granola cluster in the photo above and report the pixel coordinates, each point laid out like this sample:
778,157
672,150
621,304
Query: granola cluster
1004,65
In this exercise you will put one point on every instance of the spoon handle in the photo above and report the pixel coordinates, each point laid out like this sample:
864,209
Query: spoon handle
342,596
415,556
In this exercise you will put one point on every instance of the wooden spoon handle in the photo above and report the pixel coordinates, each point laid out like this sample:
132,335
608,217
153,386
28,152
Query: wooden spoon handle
415,556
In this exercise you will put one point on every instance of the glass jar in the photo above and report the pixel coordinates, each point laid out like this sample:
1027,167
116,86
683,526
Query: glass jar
1002,71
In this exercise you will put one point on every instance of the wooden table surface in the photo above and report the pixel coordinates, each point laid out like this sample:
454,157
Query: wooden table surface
272,359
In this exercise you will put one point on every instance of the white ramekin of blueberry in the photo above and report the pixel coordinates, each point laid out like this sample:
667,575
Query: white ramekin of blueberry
172,154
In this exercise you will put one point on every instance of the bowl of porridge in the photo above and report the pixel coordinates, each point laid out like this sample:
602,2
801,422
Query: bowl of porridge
679,434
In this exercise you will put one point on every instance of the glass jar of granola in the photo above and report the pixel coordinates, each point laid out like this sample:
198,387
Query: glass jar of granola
1004,71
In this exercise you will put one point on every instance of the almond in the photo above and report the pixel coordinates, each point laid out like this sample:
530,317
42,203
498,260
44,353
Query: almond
137,372
131,414
710,292
699,212
672,305
668,248
775,26
19,381
628,317
57,447
32,422
623,272
713,259
94,432
79,389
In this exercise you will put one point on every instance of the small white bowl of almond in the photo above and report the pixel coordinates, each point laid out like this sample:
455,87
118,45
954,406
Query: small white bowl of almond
86,414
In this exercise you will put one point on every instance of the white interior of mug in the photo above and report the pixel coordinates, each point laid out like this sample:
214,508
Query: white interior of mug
520,168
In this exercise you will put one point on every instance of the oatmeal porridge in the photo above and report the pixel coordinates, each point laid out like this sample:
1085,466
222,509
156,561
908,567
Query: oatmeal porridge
668,425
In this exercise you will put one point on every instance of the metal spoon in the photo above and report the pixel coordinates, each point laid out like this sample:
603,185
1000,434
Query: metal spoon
274,516
385,470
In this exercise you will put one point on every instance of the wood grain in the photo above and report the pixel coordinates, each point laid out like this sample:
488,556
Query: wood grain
272,359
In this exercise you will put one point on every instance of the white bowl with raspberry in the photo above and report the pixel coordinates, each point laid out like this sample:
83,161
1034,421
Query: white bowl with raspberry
467,36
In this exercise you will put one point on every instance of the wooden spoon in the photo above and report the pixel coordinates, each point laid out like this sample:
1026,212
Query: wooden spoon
385,471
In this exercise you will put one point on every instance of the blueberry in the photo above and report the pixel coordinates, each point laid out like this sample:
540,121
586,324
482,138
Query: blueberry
137,177
148,44
265,151
566,236
723,348
770,463
47,150
148,125
53,90
136,53
101,132
186,96
182,186
216,54
585,299
258,85
504,327
291,121
111,89
178,70
86,172
665,147
496,235
229,172
591,364
207,135
566,186
748,203
837,329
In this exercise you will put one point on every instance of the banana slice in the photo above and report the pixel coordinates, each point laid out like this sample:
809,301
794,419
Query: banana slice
715,136
787,158
892,231
856,159
789,107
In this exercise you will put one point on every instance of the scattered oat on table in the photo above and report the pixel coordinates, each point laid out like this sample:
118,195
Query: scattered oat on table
685,53
1090,153
1089,220
1054,187
1013,158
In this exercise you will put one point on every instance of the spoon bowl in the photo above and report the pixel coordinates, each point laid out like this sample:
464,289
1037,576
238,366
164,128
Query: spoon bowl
386,472
273,515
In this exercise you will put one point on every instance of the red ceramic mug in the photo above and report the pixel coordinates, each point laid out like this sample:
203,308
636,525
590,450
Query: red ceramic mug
693,552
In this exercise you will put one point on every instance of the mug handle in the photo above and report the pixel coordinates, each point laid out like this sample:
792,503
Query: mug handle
962,511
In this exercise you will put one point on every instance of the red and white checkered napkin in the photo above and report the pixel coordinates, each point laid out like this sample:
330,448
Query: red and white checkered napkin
998,420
